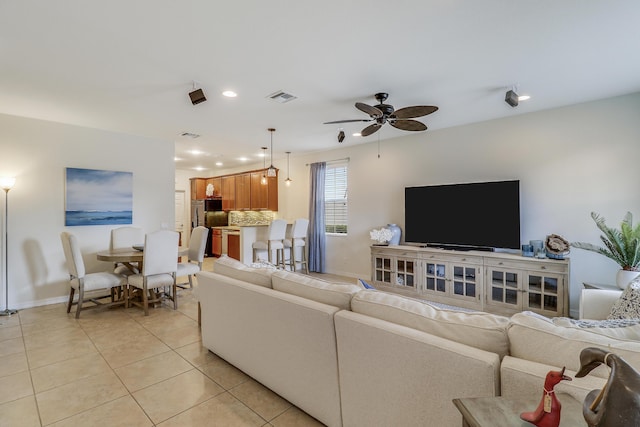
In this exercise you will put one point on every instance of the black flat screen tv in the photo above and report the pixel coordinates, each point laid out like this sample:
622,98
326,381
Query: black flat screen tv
481,215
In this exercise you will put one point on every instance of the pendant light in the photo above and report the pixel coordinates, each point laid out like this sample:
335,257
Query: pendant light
263,180
271,172
288,181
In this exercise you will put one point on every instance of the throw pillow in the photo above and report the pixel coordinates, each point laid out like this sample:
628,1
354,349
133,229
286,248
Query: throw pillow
365,285
628,305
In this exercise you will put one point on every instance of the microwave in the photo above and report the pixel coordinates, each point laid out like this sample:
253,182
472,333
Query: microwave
212,205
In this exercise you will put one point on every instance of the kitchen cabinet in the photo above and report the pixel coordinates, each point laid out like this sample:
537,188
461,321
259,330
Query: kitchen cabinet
243,192
233,245
198,188
217,186
495,282
264,196
228,193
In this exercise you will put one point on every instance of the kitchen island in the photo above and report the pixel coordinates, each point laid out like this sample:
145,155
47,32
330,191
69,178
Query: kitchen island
237,240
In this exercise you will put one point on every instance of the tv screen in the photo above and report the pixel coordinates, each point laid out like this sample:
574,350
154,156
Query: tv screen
474,215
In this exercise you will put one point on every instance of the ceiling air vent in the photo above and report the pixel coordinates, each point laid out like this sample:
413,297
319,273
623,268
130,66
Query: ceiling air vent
189,135
282,97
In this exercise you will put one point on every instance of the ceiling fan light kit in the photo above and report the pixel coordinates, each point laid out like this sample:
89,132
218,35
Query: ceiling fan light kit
385,113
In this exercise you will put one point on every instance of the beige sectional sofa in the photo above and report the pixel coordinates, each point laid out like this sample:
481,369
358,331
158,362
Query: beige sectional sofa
355,357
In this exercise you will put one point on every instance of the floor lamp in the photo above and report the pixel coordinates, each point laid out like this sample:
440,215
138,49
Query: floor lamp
6,184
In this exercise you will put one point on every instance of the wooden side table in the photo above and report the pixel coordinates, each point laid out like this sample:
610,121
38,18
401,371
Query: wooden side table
503,412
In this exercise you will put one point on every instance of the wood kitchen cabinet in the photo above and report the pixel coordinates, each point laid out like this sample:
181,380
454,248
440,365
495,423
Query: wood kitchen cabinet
233,245
264,196
228,193
217,186
243,192
198,188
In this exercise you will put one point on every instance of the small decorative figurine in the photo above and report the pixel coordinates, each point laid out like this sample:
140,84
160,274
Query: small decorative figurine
618,403
547,414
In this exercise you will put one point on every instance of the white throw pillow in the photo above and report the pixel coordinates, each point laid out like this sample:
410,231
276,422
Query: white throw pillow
628,305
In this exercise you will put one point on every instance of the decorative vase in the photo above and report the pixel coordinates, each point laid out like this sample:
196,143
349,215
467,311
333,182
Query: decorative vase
624,277
397,233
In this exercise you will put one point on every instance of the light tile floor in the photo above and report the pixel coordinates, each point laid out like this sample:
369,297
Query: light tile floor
120,368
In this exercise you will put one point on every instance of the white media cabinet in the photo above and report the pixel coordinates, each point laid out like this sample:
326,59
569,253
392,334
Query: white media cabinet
495,282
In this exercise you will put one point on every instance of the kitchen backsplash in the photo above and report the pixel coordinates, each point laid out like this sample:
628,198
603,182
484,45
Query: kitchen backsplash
251,217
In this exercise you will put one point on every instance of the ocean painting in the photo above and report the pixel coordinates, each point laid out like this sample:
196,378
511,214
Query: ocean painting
98,197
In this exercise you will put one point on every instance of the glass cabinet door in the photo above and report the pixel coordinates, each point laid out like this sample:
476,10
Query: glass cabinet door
466,281
382,269
405,272
504,288
542,292
435,277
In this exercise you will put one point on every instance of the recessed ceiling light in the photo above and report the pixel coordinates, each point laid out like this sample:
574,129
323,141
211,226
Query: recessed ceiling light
356,134
176,159
196,152
219,163
229,94
523,97
199,168
243,159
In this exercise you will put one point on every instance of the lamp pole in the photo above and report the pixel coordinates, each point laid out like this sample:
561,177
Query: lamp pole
6,184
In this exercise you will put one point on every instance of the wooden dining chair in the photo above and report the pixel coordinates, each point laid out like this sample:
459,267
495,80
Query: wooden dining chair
91,287
158,270
195,256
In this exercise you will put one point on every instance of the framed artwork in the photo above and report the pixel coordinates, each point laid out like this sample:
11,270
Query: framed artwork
98,197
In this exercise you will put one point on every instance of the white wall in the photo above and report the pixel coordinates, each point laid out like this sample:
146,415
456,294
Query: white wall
36,153
570,161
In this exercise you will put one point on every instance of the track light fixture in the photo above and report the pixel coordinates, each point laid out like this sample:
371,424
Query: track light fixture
197,95
341,136
511,98
271,172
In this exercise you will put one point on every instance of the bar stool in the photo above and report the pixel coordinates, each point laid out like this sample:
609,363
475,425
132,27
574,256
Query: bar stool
276,234
298,239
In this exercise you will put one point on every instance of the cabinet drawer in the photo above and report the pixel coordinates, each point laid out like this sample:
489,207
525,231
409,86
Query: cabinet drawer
530,264
452,258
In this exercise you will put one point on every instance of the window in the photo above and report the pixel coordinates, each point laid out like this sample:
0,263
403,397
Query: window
335,197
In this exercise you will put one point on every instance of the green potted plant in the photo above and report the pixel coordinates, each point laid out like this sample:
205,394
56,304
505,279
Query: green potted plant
621,245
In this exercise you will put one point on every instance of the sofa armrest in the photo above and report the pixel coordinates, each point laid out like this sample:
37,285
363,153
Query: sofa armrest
596,303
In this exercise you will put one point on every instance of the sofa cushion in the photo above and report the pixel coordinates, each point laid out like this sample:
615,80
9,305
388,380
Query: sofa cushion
538,339
233,268
476,329
623,329
628,305
337,295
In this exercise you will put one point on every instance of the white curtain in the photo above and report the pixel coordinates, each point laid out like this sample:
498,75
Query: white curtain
317,237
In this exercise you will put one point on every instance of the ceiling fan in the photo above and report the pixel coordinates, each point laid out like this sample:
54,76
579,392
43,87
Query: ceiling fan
385,113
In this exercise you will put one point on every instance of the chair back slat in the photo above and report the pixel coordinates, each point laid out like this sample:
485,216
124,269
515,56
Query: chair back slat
160,252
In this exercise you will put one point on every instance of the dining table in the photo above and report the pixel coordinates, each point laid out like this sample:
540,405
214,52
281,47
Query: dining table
131,257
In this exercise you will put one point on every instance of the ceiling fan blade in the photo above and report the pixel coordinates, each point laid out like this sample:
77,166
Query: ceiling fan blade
415,111
347,121
372,111
370,129
412,125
